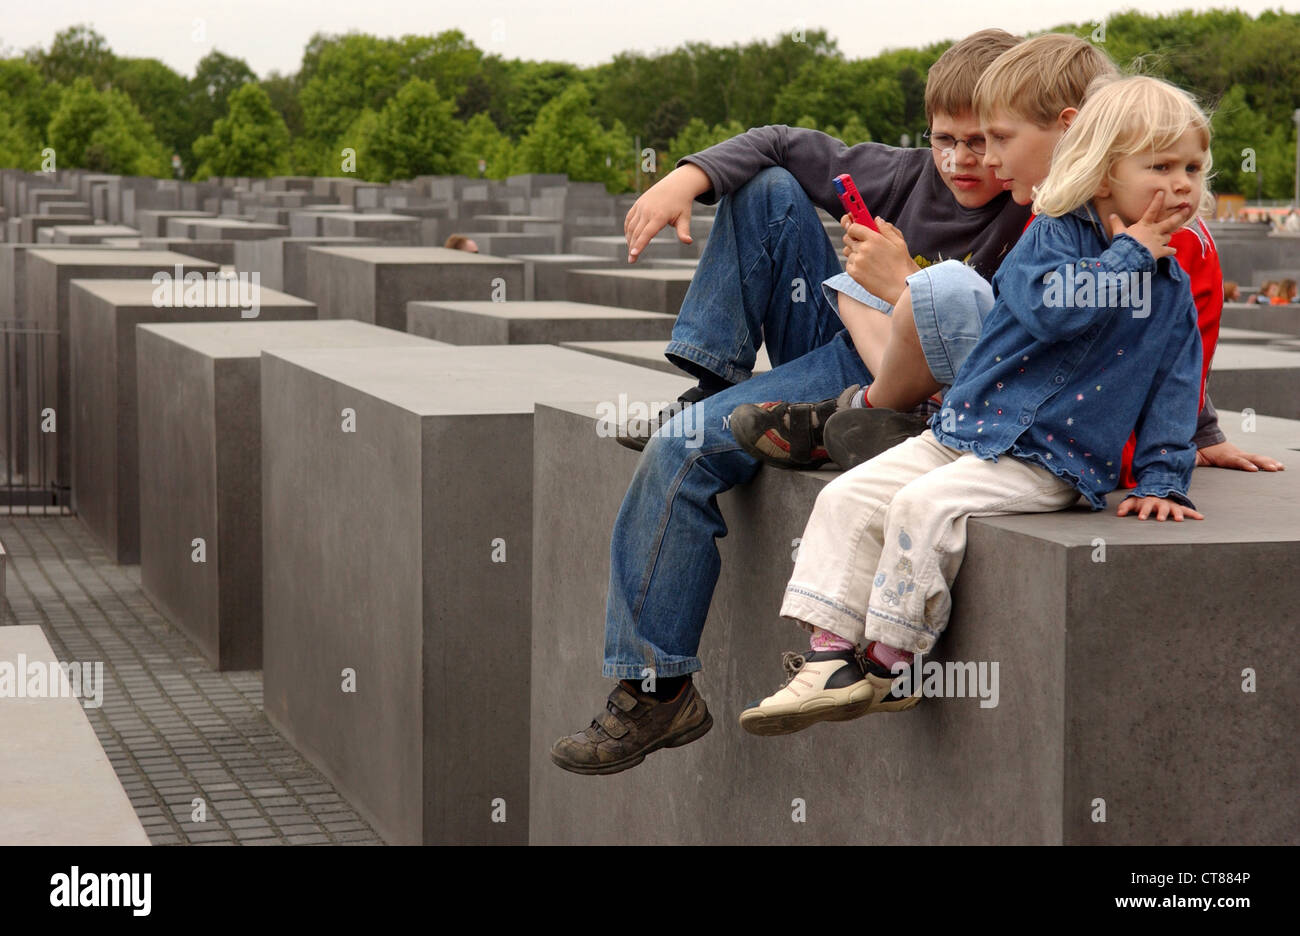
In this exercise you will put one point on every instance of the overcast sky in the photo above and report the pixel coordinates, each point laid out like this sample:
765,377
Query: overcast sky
270,34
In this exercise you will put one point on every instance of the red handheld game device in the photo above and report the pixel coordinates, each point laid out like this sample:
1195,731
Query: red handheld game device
853,202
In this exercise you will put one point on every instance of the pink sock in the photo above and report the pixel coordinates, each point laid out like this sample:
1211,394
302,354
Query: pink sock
887,656
825,640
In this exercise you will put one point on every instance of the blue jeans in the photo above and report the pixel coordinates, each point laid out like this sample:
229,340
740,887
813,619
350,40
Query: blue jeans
759,279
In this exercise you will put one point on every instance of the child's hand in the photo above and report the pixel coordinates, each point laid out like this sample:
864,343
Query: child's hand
1162,506
1150,232
879,262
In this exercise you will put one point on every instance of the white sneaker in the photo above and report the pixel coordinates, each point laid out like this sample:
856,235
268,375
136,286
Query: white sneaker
823,685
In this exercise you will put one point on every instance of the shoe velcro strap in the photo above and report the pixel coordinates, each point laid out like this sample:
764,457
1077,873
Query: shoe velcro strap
613,725
800,434
623,699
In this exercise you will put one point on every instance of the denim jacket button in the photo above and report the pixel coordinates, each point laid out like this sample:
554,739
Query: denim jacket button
1059,379
1024,420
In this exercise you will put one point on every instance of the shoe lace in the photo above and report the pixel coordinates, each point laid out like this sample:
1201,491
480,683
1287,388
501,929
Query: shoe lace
792,663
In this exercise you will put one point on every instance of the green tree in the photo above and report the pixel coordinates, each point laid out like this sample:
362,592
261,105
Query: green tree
482,140
160,95
77,52
359,137
415,134
251,140
32,100
103,131
697,136
19,149
216,77
566,138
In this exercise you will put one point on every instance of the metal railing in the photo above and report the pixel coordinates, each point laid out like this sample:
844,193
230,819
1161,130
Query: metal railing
28,448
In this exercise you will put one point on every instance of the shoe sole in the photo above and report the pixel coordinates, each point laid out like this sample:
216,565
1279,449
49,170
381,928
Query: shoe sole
631,442
627,763
759,723
853,444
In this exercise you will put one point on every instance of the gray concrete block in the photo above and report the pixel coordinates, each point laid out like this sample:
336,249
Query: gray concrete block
198,394
663,246
25,229
89,233
1108,686
66,209
546,275
57,784
386,228
480,323
648,354
1270,318
220,252
503,245
48,275
13,279
104,415
655,290
378,550
374,284
227,229
1263,379
282,261
1247,336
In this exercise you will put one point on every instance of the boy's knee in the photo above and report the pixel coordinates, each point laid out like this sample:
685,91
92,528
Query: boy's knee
773,184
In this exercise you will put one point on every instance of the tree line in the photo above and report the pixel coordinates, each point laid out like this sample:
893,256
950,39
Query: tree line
396,108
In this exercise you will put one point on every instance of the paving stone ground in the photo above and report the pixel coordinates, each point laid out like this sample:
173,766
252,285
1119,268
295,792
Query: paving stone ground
174,728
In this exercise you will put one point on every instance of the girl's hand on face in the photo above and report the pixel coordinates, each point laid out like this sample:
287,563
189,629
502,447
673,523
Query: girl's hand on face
1150,232
1162,507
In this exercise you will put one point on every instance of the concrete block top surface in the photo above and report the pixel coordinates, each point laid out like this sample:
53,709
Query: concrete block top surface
376,216
57,785
250,339
665,274
545,309
476,380
649,354
1239,506
139,293
1245,334
92,257
412,255
1250,357
104,230
562,258
521,217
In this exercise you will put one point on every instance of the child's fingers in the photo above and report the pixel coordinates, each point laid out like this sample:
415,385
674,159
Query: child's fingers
1156,205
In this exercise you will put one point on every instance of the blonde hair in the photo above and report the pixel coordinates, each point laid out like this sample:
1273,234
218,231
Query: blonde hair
951,80
1120,117
1039,78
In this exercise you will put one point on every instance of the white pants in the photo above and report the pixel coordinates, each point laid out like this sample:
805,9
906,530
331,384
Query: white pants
885,540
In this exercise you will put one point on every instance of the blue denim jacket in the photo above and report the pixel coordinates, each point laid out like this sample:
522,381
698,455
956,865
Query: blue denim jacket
1062,374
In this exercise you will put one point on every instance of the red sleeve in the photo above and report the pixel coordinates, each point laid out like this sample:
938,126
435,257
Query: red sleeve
1199,258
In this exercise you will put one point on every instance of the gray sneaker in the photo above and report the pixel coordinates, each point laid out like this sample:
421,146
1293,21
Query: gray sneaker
637,432
631,726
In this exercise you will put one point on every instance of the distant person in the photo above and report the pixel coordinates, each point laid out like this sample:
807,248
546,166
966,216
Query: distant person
1231,291
1292,223
1266,293
461,242
1285,293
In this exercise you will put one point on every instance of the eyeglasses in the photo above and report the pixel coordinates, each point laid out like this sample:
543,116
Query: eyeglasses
946,141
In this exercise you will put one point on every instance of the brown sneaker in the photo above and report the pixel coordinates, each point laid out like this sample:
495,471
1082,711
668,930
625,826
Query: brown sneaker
787,435
632,726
